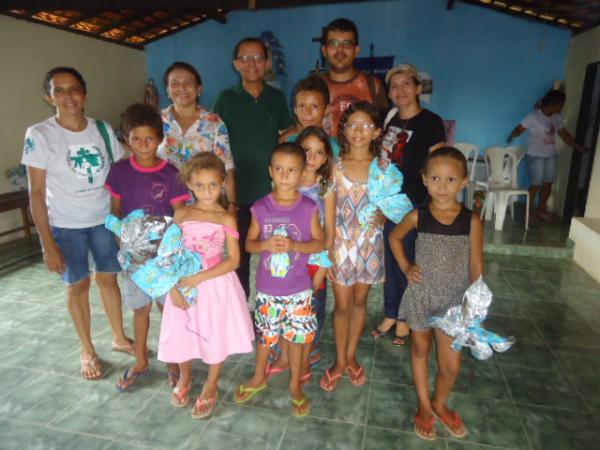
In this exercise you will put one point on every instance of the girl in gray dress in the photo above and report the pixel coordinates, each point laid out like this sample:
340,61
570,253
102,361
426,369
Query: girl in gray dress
449,256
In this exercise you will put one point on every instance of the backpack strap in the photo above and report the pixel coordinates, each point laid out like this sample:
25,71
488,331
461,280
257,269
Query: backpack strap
106,138
391,113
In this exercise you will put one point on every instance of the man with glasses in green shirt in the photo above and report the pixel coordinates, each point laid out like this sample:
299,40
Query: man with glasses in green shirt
347,85
254,113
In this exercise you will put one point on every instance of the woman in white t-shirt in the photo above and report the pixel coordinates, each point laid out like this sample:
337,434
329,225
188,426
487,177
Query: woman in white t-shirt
68,157
543,124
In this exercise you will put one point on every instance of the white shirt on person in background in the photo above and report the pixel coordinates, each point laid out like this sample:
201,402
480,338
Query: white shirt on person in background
542,133
76,165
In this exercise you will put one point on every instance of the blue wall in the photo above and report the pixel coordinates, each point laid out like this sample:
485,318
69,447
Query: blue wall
488,68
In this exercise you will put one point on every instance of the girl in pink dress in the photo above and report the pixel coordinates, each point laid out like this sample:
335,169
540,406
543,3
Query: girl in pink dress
218,324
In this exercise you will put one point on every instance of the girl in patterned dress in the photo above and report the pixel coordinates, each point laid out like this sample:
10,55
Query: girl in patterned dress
449,257
356,250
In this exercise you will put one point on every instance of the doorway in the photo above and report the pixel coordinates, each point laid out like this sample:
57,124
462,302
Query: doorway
588,122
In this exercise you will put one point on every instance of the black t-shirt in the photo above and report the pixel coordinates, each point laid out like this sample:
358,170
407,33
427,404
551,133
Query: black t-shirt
407,144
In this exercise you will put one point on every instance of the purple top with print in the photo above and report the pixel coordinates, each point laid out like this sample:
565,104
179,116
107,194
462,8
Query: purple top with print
296,219
153,189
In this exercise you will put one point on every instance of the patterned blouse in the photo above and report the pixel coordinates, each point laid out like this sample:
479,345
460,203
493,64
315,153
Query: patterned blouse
207,134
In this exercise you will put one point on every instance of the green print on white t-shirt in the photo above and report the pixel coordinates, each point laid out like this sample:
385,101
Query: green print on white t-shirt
29,145
86,161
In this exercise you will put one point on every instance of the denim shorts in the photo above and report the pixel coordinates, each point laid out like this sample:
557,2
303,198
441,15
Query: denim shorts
76,244
541,169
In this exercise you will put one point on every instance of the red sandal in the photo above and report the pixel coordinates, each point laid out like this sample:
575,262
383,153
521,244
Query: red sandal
357,376
425,428
454,424
329,382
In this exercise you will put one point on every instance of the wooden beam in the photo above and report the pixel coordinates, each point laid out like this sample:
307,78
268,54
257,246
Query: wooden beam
159,23
123,21
218,16
170,32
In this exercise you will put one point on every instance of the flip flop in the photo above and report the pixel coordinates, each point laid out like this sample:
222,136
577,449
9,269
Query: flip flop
357,376
129,379
328,382
306,378
453,424
203,407
272,372
123,348
399,341
90,363
425,424
180,397
377,333
298,404
239,396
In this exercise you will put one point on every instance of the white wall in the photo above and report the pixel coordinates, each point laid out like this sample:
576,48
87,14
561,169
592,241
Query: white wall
114,74
583,50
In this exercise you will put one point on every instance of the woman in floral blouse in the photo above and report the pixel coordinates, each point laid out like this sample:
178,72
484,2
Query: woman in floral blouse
189,128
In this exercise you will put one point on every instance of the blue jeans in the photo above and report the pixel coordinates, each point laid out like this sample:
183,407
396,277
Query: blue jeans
395,280
77,243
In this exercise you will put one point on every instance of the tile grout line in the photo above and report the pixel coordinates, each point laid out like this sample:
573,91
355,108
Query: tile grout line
512,399
372,371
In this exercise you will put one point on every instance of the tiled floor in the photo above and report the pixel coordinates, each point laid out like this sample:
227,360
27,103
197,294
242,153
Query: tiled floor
543,394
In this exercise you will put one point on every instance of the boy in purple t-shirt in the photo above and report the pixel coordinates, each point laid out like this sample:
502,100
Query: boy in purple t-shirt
146,182
285,229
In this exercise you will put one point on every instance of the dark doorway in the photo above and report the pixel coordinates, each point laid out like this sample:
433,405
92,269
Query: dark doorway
586,134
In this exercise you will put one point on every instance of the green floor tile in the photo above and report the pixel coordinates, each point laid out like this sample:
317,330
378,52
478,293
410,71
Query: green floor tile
317,434
383,439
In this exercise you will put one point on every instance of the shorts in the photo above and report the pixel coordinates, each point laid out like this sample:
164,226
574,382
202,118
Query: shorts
76,244
133,296
541,169
288,315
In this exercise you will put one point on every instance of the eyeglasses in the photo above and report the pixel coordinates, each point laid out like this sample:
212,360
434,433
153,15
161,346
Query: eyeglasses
364,126
248,58
336,43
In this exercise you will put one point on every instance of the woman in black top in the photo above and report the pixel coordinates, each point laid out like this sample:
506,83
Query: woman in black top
411,132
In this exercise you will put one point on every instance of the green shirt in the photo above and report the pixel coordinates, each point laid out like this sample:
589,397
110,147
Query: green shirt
253,125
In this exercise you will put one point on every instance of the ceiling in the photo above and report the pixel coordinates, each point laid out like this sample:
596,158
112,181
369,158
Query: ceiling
135,23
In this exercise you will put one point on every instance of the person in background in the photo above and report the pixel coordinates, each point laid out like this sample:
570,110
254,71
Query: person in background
543,124
190,129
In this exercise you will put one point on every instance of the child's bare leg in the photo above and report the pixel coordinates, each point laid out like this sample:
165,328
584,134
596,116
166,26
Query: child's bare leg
211,385
172,369
448,369
305,366
185,375
111,300
341,324
420,349
141,325
283,361
260,377
295,368
78,303
357,321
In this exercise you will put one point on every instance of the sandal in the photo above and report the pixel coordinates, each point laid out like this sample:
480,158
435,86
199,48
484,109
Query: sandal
425,428
180,397
272,372
243,393
129,379
128,348
399,341
90,365
358,377
306,378
453,424
203,407
377,333
301,407
329,382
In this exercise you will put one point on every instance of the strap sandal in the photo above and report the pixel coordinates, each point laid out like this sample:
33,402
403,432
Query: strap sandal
272,372
244,393
358,377
453,424
180,397
129,379
425,428
329,382
301,407
91,369
306,378
203,407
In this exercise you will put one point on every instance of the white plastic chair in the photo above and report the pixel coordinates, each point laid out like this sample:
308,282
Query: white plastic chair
501,189
471,152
